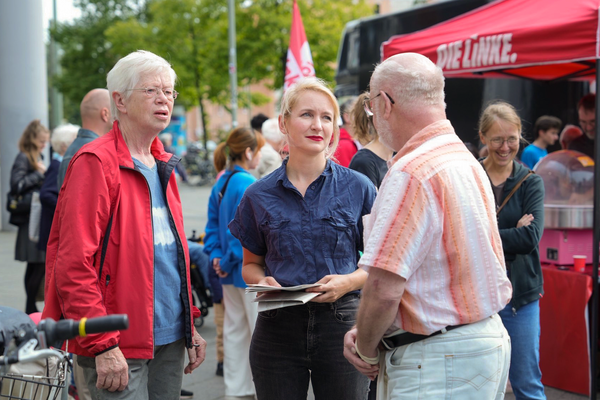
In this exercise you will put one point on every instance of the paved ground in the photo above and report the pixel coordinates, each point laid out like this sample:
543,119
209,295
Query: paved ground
203,382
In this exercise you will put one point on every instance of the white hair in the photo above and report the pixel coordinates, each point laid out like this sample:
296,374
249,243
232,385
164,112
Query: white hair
413,81
63,136
271,132
128,70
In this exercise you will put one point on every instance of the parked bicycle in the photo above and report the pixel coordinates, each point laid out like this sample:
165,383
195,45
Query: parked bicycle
198,163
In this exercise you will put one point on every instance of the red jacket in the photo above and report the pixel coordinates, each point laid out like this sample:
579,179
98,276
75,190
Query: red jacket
346,149
102,181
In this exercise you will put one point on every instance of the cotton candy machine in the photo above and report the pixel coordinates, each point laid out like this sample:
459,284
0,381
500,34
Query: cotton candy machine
568,206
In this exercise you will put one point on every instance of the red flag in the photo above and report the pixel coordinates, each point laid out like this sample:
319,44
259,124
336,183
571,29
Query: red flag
299,60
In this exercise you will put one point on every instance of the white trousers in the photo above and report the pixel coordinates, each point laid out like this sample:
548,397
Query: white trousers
240,319
467,363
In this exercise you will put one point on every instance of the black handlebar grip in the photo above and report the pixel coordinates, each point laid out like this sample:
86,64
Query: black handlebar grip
116,322
60,331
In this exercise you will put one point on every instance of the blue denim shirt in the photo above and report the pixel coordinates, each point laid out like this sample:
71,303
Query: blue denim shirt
305,238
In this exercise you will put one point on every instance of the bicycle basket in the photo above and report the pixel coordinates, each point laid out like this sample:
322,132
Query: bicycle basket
45,386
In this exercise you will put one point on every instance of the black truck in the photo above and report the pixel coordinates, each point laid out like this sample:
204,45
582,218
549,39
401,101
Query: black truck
360,51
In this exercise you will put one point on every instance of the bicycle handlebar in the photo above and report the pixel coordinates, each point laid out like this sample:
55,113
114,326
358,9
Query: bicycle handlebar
68,329
52,333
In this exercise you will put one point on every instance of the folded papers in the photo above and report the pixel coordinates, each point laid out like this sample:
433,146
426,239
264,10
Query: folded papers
273,297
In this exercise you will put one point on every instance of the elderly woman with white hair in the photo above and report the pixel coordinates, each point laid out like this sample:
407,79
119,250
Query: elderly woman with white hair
272,134
61,139
118,246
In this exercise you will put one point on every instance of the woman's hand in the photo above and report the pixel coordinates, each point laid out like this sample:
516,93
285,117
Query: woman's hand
269,281
217,268
525,220
41,167
332,288
197,353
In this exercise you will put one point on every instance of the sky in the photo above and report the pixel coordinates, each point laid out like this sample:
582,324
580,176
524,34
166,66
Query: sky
65,11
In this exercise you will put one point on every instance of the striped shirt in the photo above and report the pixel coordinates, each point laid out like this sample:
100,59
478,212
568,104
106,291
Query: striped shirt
434,224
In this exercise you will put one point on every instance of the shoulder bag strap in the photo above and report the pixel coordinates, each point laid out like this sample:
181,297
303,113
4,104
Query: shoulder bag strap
224,188
513,191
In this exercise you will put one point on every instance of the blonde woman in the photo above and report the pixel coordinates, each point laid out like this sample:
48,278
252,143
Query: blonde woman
303,224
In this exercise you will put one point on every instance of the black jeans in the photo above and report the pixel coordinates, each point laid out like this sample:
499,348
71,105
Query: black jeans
294,345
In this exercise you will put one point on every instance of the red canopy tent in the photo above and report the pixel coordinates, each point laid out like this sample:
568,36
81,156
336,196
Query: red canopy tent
534,39
548,40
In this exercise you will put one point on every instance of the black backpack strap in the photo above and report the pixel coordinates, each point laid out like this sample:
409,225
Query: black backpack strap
224,188
105,246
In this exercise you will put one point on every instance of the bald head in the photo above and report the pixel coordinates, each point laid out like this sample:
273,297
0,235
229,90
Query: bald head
406,95
411,79
95,111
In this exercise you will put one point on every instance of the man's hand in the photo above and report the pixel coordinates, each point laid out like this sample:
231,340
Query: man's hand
363,367
111,367
197,353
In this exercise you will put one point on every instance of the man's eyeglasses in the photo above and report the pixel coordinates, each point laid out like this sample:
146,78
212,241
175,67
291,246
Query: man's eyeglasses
367,103
152,91
499,142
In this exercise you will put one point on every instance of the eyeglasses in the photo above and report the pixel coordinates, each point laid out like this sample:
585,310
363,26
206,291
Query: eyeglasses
367,103
499,142
152,91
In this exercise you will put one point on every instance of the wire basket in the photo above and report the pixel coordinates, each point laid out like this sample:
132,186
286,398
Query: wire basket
16,386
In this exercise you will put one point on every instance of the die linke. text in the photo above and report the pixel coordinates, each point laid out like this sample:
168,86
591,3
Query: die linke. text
476,52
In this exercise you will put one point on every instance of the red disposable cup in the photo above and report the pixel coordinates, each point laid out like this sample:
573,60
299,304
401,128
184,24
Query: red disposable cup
579,263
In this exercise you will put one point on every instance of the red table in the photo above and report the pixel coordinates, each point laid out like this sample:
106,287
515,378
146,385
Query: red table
564,342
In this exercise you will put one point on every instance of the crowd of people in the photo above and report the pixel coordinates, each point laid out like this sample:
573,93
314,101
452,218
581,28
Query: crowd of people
425,258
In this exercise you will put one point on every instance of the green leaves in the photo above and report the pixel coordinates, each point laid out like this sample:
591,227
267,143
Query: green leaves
192,36
87,55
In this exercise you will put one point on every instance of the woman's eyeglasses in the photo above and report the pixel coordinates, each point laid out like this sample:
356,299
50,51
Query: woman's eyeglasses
499,142
152,91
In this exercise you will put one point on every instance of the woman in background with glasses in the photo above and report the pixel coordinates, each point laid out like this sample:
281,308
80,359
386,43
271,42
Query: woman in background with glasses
521,224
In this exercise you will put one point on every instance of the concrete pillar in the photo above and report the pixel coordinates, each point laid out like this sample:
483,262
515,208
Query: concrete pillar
23,82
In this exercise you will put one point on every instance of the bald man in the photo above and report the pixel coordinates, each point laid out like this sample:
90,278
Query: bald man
95,122
437,277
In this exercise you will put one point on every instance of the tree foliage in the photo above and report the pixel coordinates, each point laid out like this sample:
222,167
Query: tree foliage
192,36
264,30
86,53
